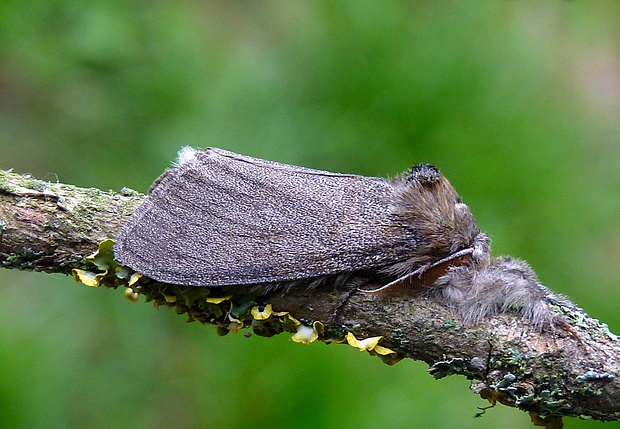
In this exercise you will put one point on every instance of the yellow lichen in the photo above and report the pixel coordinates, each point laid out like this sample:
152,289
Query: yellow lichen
235,324
292,319
217,299
371,345
263,314
87,278
106,270
363,345
134,278
308,334
131,295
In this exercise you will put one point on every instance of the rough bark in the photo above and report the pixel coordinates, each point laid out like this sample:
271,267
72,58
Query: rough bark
572,371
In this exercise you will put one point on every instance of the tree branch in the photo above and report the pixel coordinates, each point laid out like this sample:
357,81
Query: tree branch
53,227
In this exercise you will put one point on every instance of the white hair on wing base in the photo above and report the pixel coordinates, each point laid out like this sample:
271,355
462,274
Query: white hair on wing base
185,155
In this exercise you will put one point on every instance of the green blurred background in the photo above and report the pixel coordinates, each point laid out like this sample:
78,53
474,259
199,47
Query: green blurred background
516,102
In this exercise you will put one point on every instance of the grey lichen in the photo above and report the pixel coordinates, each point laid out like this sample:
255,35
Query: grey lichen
592,375
22,261
445,368
547,403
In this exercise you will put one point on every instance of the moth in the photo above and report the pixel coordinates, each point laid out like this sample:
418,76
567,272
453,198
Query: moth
223,219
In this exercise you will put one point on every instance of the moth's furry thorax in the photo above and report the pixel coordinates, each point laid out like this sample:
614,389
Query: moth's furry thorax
425,201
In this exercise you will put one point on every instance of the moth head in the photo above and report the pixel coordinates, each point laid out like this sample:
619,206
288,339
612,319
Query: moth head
426,202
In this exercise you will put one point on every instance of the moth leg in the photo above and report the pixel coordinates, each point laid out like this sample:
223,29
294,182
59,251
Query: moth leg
351,286
426,276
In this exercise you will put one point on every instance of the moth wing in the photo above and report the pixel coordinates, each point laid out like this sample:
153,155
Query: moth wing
223,219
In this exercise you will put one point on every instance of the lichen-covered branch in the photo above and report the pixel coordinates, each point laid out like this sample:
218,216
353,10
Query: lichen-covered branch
51,226
572,371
